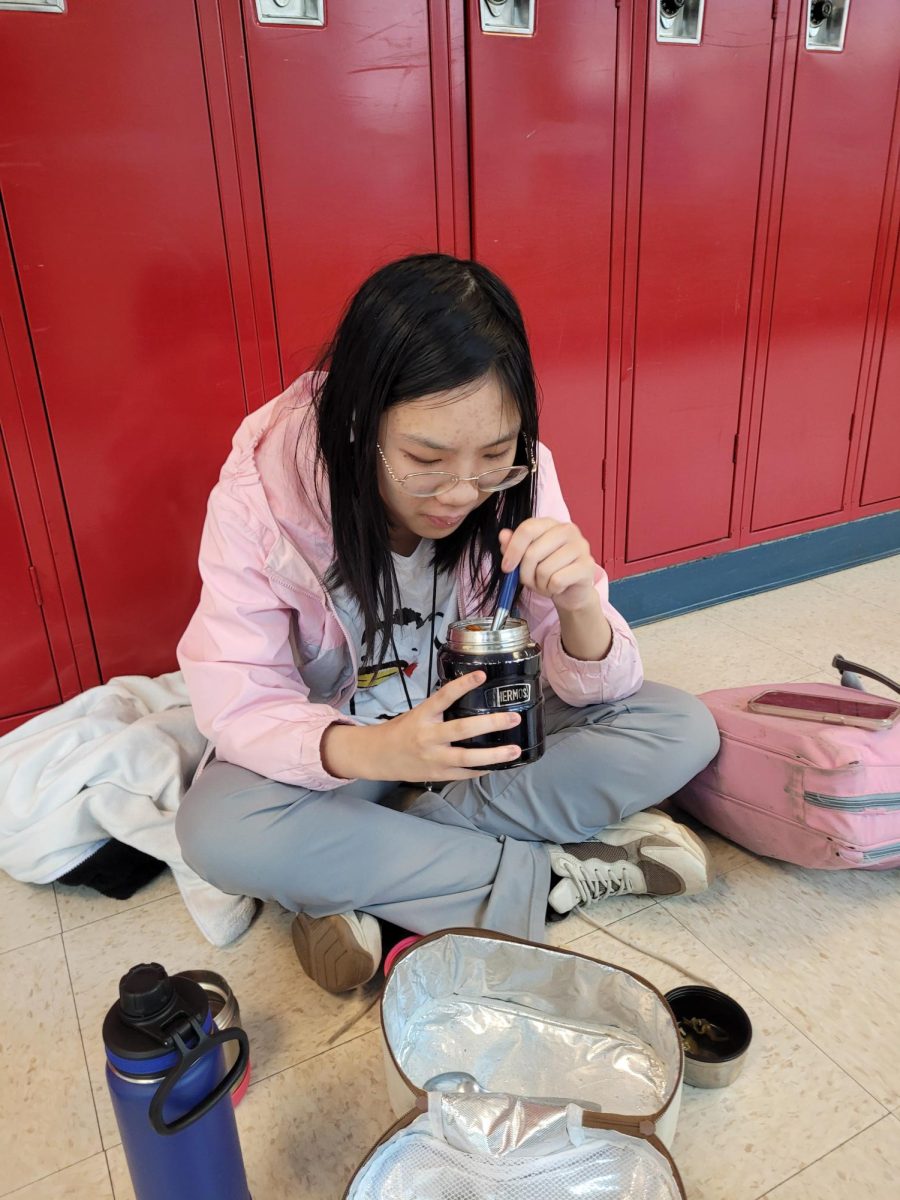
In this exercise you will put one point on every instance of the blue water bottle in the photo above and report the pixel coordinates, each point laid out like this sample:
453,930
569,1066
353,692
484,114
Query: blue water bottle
170,1091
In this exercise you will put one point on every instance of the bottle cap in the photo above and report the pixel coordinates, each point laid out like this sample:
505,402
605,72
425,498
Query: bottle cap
146,991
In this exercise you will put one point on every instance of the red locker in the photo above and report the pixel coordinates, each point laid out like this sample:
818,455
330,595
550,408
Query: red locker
46,654
702,145
28,679
541,118
837,156
882,477
343,118
110,189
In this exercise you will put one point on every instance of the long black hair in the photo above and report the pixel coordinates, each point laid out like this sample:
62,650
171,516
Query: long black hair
424,324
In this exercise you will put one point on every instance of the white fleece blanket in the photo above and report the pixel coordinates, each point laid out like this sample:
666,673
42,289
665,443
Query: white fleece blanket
113,762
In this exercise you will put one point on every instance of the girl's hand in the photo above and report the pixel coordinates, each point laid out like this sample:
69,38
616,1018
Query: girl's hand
417,746
554,560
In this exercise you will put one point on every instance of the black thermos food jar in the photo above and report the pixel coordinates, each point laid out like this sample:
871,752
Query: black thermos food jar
512,663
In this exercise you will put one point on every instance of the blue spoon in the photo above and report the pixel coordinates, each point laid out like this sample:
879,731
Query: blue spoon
507,591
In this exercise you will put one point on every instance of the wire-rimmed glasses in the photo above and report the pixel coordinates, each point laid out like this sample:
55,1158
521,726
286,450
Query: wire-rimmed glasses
433,483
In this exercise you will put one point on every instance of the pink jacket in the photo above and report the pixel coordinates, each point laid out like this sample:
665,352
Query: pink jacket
266,660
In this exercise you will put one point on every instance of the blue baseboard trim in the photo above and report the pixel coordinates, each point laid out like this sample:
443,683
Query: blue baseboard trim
688,586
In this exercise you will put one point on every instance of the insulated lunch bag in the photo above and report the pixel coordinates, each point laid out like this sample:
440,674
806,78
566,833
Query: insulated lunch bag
523,1071
808,792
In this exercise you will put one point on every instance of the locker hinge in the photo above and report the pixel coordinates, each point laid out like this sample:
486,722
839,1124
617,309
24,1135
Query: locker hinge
734,447
603,473
852,423
36,584
774,9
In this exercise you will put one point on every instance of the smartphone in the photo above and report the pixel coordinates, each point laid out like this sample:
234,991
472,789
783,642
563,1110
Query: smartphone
869,713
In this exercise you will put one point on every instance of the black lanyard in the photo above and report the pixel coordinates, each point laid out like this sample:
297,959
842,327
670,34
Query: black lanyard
409,702
398,599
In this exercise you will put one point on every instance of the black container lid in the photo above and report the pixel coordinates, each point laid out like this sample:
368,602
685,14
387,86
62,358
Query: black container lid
146,991
152,1005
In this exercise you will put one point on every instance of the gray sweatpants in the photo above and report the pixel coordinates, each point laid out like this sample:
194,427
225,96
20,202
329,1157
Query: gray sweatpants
473,854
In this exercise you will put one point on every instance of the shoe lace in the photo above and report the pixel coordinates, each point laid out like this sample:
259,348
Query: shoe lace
596,880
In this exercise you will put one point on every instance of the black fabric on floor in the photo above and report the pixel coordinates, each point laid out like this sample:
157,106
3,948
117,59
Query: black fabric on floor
115,870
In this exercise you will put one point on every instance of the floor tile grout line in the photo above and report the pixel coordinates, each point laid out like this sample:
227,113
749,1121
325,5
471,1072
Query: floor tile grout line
56,903
775,591
50,1174
608,925
112,1186
649,954
120,913
792,650
833,1150
715,610
84,1053
730,627
772,1004
753,988
46,938
303,1061
655,900
875,603
112,1182
852,596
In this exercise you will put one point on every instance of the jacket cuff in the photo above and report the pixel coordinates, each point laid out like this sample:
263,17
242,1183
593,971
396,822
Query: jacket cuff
311,771
581,683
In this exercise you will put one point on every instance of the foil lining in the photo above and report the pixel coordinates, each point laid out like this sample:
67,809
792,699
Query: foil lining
534,1022
502,1126
603,1165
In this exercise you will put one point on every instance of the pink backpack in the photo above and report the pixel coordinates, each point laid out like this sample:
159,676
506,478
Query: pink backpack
815,794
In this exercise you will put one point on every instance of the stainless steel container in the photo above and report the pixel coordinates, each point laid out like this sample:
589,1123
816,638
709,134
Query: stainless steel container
716,1035
224,1008
512,662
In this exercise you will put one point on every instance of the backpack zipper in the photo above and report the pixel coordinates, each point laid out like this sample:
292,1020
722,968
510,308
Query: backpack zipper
793,758
854,804
891,851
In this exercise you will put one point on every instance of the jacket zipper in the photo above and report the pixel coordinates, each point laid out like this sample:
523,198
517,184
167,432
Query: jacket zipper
354,657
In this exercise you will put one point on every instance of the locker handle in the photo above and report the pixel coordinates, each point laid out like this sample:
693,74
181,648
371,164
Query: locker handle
57,6
508,16
291,12
826,24
679,21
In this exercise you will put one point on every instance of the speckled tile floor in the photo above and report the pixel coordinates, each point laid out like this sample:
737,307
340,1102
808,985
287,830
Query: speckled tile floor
811,955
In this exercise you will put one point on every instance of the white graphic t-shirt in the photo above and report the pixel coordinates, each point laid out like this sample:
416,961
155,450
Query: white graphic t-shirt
380,694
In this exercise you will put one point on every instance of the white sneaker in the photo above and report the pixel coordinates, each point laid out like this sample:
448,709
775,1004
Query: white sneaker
646,854
340,952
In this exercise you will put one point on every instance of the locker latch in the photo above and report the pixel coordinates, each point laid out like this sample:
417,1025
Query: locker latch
508,16
291,12
57,6
679,21
826,23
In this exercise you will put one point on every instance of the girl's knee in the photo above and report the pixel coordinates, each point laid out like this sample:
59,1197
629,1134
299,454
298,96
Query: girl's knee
202,836
701,733
215,849
684,728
